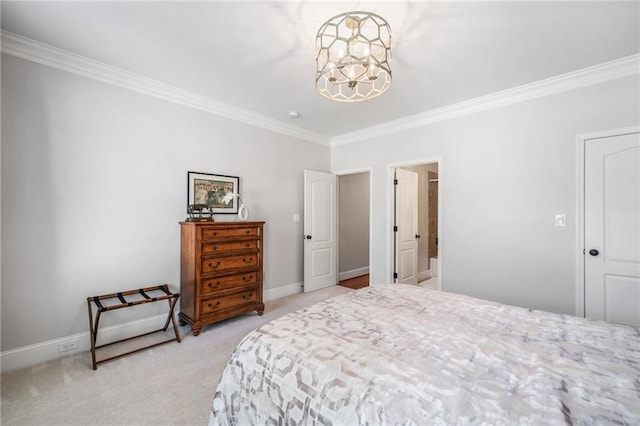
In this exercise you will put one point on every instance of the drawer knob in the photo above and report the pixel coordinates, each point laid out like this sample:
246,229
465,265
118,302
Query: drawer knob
247,245
245,260
246,278
248,231
211,306
211,265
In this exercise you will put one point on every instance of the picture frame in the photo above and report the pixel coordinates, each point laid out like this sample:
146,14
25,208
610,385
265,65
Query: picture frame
210,189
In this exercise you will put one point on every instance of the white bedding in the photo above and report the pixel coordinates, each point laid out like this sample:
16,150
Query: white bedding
400,354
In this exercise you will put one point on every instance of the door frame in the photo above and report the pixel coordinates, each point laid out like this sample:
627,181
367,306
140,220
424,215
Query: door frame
391,212
581,141
353,172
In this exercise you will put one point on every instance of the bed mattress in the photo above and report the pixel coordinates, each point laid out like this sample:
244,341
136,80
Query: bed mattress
402,354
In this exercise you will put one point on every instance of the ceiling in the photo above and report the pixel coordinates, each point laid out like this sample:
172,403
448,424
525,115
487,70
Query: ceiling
260,56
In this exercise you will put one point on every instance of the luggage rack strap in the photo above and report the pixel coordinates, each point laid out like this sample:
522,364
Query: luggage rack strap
125,304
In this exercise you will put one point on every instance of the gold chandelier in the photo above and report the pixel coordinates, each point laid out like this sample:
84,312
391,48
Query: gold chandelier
354,50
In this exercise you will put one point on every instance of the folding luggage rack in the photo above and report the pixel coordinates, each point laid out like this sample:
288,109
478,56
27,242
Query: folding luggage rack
172,298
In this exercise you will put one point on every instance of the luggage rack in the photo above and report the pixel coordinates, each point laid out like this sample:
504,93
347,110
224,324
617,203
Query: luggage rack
103,304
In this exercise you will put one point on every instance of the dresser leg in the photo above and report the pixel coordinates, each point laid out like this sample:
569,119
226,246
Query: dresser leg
195,331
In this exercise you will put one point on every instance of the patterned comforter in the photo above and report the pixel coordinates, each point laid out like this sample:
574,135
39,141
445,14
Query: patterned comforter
401,354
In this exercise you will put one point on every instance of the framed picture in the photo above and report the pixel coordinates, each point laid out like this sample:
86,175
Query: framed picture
213,191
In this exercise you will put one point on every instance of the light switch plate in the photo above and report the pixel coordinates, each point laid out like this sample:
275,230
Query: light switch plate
561,220
296,217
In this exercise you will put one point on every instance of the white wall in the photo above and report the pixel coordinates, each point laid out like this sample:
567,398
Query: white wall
94,183
505,174
353,225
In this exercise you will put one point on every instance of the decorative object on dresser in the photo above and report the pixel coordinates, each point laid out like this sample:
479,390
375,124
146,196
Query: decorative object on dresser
220,271
243,212
199,212
211,190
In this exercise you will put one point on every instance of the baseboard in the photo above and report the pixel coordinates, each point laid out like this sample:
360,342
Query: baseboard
347,275
28,356
424,275
282,291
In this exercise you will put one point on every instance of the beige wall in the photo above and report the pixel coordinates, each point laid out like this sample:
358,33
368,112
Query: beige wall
505,174
353,224
94,183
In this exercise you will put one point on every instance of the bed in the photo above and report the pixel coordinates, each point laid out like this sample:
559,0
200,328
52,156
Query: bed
402,354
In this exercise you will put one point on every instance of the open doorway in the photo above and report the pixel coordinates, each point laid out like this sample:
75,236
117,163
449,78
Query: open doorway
415,252
354,196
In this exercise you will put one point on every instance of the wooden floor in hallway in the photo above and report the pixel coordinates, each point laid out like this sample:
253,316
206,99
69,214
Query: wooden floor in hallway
356,283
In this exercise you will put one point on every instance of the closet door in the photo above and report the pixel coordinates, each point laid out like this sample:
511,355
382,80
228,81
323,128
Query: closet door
612,229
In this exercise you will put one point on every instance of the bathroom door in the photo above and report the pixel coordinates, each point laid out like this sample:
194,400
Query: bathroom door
406,230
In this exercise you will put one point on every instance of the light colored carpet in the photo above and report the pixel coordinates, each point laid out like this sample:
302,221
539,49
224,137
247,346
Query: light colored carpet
169,384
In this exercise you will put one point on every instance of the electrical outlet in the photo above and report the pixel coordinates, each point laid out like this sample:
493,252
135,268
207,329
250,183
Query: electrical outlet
69,345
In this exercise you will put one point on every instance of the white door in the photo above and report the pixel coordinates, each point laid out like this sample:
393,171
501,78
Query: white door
320,213
406,226
612,229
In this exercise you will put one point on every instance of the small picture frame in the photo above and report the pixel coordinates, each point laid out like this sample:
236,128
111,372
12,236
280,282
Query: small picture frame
212,191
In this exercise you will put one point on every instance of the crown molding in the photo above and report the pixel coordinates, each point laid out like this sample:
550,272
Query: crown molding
35,51
611,70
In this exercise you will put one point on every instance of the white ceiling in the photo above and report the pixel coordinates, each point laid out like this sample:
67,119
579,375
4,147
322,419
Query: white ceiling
260,56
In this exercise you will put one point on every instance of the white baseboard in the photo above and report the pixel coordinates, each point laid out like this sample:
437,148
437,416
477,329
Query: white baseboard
347,275
283,291
28,356
433,265
424,275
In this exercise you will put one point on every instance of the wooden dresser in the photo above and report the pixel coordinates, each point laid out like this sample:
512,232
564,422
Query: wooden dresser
220,271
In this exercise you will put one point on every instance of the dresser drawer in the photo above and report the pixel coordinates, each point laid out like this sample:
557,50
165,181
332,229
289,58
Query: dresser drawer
226,246
227,263
210,233
211,285
219,303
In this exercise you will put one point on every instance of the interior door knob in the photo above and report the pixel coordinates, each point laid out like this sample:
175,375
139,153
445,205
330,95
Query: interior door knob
307,237
594,252
417,235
